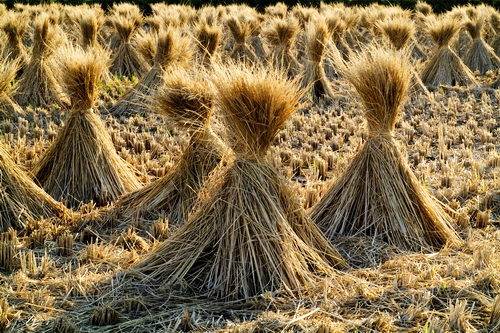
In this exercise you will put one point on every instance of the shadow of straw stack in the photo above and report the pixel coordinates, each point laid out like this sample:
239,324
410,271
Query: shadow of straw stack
187,102
249,233
21,199
378,195
82,165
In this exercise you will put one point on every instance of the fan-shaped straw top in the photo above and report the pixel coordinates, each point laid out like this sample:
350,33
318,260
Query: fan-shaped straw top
80,75
185,100
256,103
475,26
443,30
381,78
398,30
172,47
44,37
282,32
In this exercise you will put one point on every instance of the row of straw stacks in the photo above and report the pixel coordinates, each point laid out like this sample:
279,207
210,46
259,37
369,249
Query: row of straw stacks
241,228
446,49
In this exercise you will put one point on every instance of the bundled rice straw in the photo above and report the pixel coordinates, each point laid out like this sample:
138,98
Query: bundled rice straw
8,108
314,73
337,28
399,31
278,10
241,30
38,85
188,102
127,61
208,38
445,66
15,25
378,195
281,34
90,23
82,165
249,235
20,198
479,56
172,51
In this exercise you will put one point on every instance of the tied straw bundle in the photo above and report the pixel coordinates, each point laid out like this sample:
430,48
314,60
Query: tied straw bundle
249,233
82,165
15,26
38,85
208,38
399,31
188,103
378,195
445,66
241,29
314,77
281,35
127,61
172,51
479,56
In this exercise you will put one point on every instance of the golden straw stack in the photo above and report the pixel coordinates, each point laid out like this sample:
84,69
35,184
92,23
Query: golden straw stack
249,233
378,195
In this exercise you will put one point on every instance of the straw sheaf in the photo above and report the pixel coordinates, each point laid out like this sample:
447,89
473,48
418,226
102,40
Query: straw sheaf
382,79
208,39
253,113
398,30
185,100
378,195
172,48
81,73
278,10
44,38
125,27
282,32
317,38
90,22
240,29
443,30
474,27
15,27
336,26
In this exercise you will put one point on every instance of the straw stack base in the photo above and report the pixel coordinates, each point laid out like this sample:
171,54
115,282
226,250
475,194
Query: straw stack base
238,244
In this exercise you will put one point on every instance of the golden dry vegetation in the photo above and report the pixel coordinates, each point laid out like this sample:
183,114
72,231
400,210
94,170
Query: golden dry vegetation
190,148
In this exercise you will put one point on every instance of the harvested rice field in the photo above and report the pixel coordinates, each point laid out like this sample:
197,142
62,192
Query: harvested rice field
330,169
